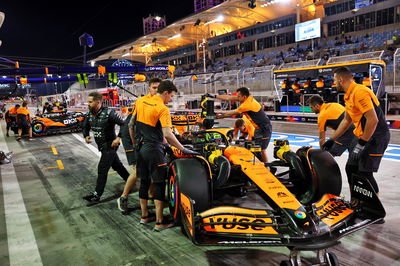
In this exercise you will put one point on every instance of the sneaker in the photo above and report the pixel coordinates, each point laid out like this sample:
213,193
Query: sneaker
30,139
7,134
164,225
123,204
92,197
148,219
18,139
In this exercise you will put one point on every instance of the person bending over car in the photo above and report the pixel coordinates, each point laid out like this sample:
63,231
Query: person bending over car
254,112
102,122
151,123
371,131
330,115
127,142
243,129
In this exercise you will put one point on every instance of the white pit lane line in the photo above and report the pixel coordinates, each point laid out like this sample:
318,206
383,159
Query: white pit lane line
89,146
22,245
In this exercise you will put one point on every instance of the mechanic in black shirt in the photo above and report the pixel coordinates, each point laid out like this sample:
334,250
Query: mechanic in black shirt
102,122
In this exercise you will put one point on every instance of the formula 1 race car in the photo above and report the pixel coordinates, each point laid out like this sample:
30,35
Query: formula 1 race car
303,209
57,121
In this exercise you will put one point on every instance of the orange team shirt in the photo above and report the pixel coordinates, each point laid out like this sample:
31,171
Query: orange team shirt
253,111
330,115
359,100
249,128
12,110
151,116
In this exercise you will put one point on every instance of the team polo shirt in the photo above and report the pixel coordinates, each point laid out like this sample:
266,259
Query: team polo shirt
360,99
23,111
253,111
249,128
151,116
13,111
330,115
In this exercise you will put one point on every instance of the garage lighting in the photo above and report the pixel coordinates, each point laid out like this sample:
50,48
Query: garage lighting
175,36
92,63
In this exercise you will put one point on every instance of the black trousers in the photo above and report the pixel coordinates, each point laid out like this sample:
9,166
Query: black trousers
109,158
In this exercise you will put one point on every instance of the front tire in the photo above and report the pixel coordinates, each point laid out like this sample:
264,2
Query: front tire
190,177
38,129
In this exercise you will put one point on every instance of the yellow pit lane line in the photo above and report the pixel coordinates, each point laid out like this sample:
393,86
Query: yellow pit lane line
60,166
53,148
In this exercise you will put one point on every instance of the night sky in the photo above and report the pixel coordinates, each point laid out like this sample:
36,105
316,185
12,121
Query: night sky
50,29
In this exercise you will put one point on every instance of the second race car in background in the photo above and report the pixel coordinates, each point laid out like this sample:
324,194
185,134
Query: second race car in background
58,121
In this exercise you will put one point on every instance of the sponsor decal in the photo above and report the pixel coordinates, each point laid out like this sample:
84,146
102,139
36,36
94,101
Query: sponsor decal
251,242
300,214
275,187
287,202
97,134
243,226
363,191
354,226
323,70
281,195
69,121
333,211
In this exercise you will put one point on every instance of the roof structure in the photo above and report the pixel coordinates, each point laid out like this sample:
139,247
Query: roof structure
227,17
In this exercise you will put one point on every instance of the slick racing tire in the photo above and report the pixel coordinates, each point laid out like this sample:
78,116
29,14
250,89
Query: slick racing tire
190,177
38,129
323,174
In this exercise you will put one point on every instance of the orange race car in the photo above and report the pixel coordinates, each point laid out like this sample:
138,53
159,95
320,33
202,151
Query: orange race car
303,208
57,121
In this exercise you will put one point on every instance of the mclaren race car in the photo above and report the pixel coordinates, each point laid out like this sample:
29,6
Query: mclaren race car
303,208
57,121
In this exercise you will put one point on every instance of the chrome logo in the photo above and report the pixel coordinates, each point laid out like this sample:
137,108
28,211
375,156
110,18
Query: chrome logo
300,214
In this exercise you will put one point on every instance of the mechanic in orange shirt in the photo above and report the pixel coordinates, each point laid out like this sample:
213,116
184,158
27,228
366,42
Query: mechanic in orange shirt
329,116
371,131
24,120
256,115
127,140
243,128
11,117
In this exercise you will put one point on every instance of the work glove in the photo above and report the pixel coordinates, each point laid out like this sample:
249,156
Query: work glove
356,153
211,95
186,151
328,144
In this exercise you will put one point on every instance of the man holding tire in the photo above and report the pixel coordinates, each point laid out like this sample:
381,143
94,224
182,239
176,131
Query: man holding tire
151,124
255,113
371,131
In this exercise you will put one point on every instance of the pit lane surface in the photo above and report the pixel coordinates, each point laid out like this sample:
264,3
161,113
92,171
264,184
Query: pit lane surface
54,172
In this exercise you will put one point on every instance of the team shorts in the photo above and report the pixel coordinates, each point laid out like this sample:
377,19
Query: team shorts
151,163
372,155
262,136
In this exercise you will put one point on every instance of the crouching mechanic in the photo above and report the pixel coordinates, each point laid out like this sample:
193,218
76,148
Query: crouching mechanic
102,122
127,142
371,131
256,115
151,123
330,115
243,129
